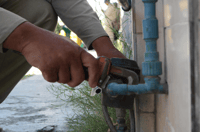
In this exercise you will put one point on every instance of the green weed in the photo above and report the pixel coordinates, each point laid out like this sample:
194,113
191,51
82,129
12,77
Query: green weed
88,115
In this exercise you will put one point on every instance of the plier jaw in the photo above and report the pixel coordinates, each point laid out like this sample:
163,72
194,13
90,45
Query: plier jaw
117,71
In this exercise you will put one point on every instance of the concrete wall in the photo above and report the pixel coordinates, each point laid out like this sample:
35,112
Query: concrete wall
166,113
174,111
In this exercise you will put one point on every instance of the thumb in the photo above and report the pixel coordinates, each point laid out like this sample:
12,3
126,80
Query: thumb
93,68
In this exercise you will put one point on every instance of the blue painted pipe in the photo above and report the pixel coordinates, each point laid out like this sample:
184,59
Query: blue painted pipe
152,85
151,67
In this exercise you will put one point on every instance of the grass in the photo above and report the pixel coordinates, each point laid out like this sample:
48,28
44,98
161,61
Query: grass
88,115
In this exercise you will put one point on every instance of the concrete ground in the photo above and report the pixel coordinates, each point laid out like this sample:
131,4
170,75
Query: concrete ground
29,107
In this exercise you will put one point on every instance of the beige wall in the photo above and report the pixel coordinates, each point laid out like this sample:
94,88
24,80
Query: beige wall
166,113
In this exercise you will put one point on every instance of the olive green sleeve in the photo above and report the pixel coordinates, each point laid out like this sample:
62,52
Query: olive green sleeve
8,22
79,16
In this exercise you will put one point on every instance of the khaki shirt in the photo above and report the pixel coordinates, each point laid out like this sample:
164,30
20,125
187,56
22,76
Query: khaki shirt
76,14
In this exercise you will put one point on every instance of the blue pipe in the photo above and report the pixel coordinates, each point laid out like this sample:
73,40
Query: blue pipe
152,85
151,67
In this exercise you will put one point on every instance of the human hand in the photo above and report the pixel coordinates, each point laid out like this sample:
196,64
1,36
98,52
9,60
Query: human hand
104,47
58,58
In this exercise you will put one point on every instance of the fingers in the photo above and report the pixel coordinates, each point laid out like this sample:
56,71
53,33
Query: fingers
93,75
74,74
93,68
50,75
64,74
77,74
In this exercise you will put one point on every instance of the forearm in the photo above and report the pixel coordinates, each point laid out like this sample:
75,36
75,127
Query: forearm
104,47
80,18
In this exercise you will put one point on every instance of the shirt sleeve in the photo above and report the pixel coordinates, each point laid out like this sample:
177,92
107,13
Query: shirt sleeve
8,22
79,16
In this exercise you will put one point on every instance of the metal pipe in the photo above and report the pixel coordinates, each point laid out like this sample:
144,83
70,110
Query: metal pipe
151,67
107,118
120,114
152,85
110,124
132,120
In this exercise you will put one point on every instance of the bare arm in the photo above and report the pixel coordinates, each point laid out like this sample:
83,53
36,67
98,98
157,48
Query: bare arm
58,58
80,18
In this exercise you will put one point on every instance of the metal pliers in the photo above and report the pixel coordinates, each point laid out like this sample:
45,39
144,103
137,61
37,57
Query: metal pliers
116,68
